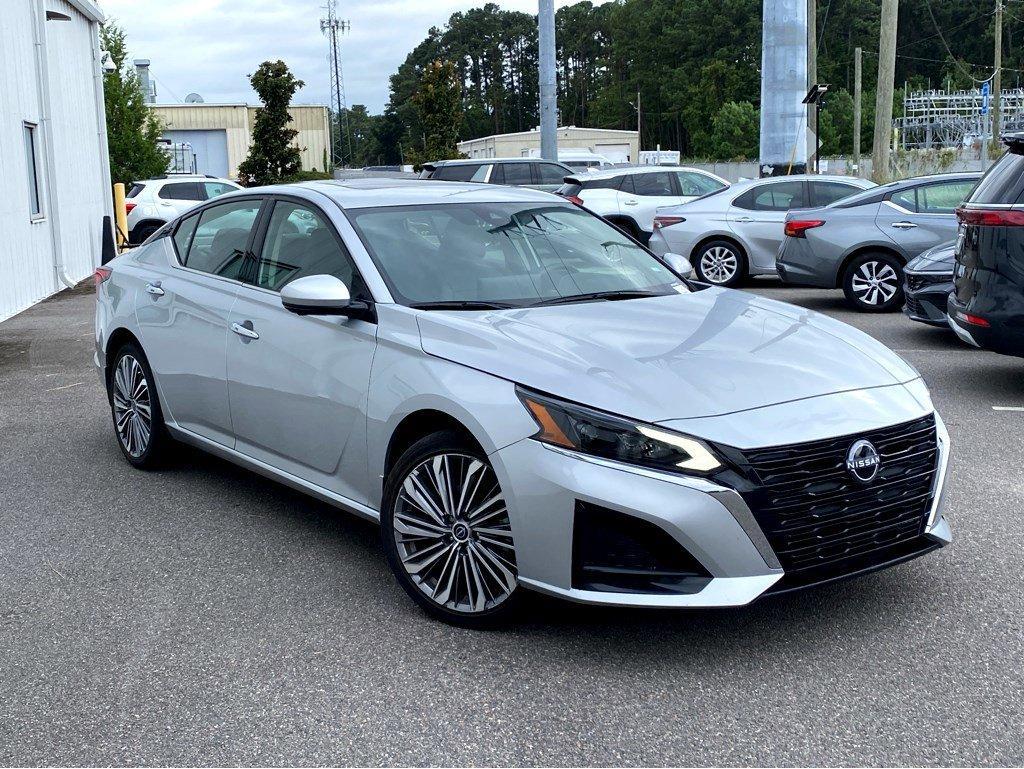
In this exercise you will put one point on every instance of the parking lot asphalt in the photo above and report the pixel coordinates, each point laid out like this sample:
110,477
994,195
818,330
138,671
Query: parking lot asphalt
204,615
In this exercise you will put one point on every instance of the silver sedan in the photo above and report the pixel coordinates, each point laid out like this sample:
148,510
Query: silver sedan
735,232
522,396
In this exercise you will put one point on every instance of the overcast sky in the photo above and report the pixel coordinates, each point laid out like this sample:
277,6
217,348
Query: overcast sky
211,46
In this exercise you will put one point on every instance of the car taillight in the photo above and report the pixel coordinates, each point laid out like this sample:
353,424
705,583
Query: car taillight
667,221
574,199
974,320
992,217
798,227
128,207
100,275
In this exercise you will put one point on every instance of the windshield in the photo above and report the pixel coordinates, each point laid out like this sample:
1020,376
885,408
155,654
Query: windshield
505,254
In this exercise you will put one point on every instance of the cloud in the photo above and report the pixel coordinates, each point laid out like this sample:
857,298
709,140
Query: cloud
211,46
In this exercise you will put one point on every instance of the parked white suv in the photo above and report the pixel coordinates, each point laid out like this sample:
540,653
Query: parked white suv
630,197
154,202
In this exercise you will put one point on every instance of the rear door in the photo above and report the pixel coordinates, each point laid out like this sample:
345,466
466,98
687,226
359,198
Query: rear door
921,217
759,215
175,198
642,194
184,314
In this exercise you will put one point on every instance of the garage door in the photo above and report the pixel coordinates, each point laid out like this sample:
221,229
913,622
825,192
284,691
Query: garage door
617,153
209,147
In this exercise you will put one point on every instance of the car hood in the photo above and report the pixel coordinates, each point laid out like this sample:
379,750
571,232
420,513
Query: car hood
941,258
708,353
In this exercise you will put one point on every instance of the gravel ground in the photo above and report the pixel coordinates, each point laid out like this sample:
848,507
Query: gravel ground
204,615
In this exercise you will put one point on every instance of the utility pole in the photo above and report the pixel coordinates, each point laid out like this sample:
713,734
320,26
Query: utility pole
812,78
639,141
857,91
997,78
548,94
880,151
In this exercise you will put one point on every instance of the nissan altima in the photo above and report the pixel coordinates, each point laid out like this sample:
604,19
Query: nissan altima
524,397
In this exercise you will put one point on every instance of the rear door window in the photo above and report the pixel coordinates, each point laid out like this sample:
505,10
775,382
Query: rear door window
135,190
693,184
942,198
1004,182
460,172
778,196
906,200
216,189
221,238
549,173
824,193
183,235
655,185
517,173
181,191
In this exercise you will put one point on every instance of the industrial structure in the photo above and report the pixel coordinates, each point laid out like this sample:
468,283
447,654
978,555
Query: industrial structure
783,85
618,146
53,149
341,136
218,136
955,118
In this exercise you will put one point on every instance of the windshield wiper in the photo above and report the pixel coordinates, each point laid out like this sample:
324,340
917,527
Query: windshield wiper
463,304
610,296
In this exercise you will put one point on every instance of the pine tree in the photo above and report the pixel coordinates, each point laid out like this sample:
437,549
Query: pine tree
132,129
273,158
438,101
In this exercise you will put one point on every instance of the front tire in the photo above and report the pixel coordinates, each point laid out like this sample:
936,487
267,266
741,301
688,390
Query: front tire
446,532
874,283
135,409
720,263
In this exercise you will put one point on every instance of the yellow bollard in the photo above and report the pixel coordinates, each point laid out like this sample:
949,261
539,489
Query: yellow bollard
121,217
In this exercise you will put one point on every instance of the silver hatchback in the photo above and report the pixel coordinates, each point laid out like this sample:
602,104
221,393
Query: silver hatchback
522,396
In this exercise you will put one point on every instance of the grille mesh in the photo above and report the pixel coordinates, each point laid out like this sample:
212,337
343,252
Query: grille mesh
815,514
916,281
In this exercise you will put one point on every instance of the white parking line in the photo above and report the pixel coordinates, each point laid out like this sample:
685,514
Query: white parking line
63,387
1008,408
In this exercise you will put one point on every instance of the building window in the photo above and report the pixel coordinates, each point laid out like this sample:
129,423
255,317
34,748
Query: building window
35,203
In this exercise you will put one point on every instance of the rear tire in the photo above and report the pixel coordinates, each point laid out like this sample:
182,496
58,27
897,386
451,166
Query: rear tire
142,233
135,410
720,263
874,283
446,532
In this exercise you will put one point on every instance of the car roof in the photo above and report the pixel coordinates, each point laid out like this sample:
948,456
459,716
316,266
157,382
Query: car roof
611,173
481,161
371,193
748,183
183,178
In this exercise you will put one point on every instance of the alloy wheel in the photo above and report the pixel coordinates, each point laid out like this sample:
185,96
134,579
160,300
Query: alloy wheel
875,283
453,535
133,409
718,264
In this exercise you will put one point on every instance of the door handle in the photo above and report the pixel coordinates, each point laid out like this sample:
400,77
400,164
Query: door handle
631,203
904,225
154,289
744,219
244,331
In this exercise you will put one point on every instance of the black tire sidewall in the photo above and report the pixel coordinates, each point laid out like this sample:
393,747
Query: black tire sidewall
156,449
894,304
741,263
444,442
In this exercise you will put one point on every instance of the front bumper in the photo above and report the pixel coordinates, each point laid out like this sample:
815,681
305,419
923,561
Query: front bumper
927,304
712,522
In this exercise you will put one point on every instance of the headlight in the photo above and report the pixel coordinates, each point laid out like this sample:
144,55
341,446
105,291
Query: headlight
603,435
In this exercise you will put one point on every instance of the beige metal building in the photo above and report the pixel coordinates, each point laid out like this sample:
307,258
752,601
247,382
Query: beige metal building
220,134
617,146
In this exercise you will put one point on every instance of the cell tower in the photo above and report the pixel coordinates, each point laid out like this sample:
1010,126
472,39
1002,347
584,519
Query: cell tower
341,137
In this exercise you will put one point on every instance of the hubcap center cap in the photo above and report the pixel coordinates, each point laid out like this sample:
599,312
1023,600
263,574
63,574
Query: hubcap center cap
460,532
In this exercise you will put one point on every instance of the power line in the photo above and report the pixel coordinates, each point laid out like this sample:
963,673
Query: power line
942,37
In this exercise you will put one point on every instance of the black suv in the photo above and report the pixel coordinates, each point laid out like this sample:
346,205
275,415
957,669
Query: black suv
986,307
515,172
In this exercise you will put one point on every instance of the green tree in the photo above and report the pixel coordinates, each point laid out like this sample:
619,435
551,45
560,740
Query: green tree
735,132
132,129
438,102
273,157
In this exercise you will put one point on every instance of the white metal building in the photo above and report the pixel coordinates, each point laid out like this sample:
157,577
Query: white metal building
53,148
617,146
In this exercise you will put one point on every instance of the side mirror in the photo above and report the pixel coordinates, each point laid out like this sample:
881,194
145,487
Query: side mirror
679,264
320,295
